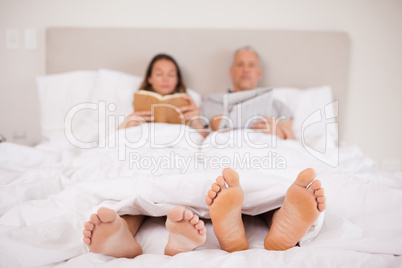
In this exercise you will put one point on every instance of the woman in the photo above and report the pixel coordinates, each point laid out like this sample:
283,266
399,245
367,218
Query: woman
163,76
108,233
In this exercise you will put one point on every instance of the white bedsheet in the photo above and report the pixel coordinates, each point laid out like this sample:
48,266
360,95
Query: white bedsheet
48,192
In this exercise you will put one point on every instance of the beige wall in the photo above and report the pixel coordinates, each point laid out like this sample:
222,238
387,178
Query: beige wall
375,90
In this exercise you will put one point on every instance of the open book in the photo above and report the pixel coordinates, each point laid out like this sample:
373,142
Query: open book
163,108
241,109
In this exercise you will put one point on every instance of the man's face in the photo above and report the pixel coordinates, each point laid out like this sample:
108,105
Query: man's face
245,72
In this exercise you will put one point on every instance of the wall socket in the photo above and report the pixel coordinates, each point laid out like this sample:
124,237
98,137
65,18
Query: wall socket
30,38
13,38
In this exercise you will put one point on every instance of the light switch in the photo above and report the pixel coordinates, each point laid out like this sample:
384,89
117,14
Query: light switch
12,38
30,38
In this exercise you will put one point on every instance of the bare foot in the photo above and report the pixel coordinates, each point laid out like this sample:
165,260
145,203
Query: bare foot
108,233
225,205
186,231
299,211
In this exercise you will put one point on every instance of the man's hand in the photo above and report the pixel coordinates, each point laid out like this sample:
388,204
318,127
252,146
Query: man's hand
282,129
215,122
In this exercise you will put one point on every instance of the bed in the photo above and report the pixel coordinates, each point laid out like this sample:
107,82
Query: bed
48,191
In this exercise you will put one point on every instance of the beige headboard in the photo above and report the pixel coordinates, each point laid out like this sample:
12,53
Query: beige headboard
289,58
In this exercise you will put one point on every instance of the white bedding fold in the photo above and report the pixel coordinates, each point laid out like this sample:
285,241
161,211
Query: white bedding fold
47,194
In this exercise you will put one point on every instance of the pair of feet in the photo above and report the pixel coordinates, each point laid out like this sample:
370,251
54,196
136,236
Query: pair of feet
303,203
108,233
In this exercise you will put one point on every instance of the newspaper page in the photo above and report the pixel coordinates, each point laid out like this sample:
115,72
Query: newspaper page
241,109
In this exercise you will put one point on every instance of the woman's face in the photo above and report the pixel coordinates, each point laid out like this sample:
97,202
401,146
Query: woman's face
163,77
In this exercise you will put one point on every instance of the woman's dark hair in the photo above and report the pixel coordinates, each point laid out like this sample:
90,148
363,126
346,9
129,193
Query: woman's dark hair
180,87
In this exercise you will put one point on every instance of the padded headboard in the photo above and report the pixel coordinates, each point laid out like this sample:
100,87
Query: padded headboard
290,58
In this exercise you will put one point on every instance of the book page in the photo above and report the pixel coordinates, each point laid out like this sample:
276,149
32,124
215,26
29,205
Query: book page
163,108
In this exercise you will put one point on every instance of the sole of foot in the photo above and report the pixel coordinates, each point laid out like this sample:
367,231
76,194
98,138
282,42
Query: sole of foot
186,231
225,200
107,233
304,201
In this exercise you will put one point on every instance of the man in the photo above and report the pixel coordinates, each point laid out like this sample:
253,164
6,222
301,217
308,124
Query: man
246,73
305,198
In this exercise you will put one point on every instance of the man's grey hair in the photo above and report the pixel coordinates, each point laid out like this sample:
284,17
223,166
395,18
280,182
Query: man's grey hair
247,48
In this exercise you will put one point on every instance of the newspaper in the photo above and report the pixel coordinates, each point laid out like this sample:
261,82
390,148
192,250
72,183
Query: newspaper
241,109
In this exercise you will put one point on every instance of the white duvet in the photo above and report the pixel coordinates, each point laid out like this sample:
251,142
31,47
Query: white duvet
48,192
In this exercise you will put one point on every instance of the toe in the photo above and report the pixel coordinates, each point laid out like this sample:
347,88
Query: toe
315,185
188,215
208,201
86,233
319,192
106,214
321,199
200,225
88,225
231,177
203,231
86,240
94,219
211,194
305,177
220,182
195,219
321,207
176,214
215,187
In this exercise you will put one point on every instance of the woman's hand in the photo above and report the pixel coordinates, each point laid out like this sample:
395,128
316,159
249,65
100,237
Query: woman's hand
136,118
191,115
190,111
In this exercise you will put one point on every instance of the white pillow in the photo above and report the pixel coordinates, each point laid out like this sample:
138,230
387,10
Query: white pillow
58,94
114,93
314,115
116,88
